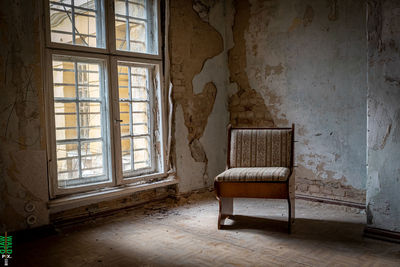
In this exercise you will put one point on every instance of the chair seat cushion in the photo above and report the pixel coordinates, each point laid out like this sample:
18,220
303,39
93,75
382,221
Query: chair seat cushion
254,174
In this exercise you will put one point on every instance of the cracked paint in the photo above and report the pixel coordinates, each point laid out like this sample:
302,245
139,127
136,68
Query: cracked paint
22,139
300,72
383,116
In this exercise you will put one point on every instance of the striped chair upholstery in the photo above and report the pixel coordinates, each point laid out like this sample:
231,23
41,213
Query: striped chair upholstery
260,148
254,174
259,165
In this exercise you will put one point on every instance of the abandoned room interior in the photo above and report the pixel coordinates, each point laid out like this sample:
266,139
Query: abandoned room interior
200,132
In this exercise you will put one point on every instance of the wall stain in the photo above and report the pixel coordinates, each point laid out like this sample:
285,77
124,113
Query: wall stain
333,14
311,183
295,23
308,16
374,26
392,80
273,70
385,137
247,106
396,131
22,120
192,42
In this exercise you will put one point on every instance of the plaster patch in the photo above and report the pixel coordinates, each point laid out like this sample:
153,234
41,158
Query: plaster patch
247,106
189,51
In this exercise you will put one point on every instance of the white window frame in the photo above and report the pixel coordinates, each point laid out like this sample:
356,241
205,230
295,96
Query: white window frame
160,117
112,43
111,57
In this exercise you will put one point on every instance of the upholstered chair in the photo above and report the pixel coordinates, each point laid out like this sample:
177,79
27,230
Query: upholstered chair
259,165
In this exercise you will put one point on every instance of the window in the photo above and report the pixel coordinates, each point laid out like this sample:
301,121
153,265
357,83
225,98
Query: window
104,94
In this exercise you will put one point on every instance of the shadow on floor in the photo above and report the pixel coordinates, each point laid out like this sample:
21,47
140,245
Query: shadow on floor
302,228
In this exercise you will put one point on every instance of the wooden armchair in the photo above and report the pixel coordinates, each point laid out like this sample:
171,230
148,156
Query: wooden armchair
259,165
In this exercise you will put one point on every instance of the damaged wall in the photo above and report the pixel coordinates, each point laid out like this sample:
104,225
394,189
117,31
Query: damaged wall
303,62
23,169
198,74
383,185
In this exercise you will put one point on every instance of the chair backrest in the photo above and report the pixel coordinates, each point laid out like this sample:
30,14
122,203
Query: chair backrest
260,147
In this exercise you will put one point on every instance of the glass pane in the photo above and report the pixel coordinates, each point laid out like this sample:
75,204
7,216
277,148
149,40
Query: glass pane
63,176
92,165
85,29
126,154
141,159
89,114
137,33
123,88
139,78
88,80
64,79
79,24
81,157
140,129
120,7
92,158
120,33
124,111
137,9
61,24
67,165
67,150
62,108
136,26
141,143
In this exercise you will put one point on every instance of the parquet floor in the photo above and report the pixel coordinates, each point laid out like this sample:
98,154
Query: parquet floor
185,234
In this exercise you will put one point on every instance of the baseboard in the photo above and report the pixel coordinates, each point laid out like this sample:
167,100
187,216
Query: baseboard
381,234
331,201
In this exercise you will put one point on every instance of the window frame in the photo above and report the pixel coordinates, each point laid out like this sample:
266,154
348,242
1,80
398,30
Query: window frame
79,48
117,142
110,56
51,140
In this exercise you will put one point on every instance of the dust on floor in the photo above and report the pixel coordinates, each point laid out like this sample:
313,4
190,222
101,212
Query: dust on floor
183,232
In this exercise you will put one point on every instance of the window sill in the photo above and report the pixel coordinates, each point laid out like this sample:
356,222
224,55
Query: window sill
76,200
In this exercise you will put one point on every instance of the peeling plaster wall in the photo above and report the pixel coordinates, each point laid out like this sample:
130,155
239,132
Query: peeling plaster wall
23,169
199,77
305,62
383,185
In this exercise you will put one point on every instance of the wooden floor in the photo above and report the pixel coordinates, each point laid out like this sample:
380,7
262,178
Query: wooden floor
185,234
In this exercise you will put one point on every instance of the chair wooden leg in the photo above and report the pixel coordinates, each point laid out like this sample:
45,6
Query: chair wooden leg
225,209
290,216
292,195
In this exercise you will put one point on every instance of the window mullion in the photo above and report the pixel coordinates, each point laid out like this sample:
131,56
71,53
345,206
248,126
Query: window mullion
130,117
73,21
147,30
78,119
103,119
128,34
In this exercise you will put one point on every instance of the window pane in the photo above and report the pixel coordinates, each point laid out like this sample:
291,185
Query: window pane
136,26
78,22
92,159
141,152
134,110
123,87
64,79
82,155
126,149
137,9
